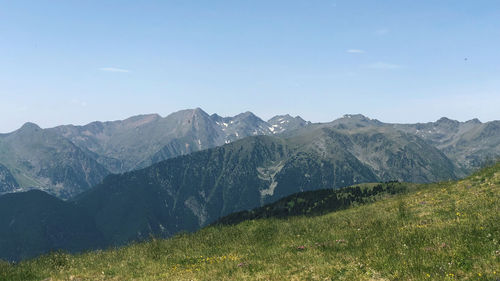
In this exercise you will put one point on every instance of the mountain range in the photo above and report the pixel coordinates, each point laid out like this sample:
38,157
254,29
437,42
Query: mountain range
469,144
140,141
67,160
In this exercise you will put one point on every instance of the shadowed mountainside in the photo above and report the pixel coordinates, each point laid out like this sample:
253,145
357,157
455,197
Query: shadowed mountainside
34,223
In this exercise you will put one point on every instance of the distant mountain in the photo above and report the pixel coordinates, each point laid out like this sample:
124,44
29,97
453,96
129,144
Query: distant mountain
33,223
284,123
32,157
143,140
470,144
78,157
390,154
220,129
68,159
242,125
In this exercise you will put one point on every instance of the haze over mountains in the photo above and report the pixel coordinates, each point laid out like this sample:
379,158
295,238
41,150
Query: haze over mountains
67,160
184,171
140,141
74,158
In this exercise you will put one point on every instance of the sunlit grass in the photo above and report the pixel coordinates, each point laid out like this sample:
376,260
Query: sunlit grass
446,231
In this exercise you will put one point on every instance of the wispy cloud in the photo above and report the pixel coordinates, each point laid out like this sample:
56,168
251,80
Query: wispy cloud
382,65
381,31
114,69
355,51
78,102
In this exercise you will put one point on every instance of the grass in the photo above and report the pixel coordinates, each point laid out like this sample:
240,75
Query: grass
444,231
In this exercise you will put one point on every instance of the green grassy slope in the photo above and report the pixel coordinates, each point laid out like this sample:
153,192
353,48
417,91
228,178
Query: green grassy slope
446,231
320,202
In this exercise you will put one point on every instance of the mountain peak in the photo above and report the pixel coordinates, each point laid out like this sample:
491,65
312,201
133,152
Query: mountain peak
447,121
29,126
350,121
187,115
298,118
280,118
281,123
200,114
444,119
199,110
246,114
474,121
355,116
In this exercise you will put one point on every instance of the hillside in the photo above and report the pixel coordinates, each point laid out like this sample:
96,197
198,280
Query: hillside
320,202
34,223
445,231
35,158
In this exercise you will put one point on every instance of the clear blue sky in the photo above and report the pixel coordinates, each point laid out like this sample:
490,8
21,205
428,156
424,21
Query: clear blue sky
75,62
